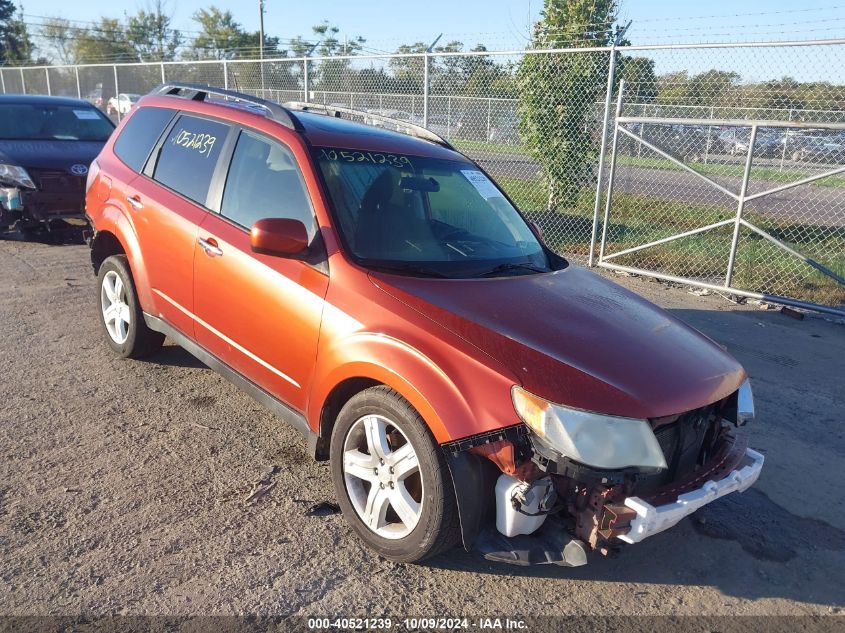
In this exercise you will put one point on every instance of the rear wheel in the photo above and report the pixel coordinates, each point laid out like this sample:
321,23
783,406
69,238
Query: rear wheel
120,312
391,478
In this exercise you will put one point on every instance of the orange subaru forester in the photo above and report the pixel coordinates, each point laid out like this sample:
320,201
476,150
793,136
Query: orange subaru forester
376,289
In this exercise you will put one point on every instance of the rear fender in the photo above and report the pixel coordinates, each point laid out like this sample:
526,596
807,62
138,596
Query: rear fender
114,220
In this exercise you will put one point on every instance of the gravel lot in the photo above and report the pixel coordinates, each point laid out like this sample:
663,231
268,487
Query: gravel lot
124,486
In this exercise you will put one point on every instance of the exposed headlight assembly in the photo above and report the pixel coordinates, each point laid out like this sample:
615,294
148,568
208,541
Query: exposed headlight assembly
15,175
744,403
593,439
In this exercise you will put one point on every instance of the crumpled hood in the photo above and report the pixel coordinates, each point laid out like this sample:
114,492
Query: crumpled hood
575,338
53,155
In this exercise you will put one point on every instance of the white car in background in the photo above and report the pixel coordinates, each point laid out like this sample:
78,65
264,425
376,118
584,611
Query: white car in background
122,103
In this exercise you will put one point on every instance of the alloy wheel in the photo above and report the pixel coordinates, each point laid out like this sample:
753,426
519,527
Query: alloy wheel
116,312
382,475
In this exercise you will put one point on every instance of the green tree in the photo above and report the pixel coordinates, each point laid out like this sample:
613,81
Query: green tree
105,42
558,93
335,75
15,43
408,71
221,37
58,38
640,80
149,32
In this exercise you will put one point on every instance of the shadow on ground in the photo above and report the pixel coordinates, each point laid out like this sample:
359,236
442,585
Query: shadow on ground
59,233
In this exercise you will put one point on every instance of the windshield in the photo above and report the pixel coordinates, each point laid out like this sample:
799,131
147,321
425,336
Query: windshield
24,121
425,216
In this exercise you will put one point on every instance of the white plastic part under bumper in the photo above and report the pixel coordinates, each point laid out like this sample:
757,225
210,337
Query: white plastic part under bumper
650,520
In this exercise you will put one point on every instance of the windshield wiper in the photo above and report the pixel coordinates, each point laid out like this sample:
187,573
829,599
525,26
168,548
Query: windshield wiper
409,268
511,266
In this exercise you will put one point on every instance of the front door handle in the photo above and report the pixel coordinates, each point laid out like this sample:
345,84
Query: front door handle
135,201
210,247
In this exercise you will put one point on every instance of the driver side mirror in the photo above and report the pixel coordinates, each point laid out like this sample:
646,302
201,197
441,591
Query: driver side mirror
282,237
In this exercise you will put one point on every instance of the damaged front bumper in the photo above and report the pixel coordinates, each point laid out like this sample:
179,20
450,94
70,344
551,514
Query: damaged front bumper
517,506
651,520
56,196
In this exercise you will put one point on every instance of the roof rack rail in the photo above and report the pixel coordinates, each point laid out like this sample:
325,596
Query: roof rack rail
400,125
199,92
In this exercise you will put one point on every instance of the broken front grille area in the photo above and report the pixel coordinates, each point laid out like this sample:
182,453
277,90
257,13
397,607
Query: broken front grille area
55,181
688,442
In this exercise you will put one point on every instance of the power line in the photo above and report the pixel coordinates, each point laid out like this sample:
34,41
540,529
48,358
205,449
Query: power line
741,15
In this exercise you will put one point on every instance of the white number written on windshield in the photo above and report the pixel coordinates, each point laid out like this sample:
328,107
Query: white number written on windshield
375,158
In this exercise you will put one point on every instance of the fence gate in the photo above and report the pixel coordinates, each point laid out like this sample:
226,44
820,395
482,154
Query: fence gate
755,208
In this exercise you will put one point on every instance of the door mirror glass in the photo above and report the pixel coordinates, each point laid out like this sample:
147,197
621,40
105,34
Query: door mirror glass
283,237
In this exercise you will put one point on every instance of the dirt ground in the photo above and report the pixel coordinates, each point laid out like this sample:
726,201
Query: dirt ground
124,486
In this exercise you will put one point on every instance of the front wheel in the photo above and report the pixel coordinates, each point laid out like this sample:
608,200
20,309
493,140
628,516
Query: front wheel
391,478
120,312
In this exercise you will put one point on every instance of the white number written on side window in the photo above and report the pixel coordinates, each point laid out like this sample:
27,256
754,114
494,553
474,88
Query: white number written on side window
201,143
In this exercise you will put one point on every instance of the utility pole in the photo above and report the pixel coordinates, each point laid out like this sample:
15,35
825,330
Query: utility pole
261,29
425,78
261,42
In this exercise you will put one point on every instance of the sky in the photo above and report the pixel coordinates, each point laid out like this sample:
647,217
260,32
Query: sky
500,24
503,25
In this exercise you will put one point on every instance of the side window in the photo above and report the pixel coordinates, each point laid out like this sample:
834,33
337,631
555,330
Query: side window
140,133
265,182
189,155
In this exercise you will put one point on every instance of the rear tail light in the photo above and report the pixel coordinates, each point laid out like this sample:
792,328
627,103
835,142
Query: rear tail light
93,171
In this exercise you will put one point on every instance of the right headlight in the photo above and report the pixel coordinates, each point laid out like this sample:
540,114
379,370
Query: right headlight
593,439
15,175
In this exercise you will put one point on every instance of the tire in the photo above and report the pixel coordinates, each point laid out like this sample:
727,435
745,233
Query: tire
127,335
435,528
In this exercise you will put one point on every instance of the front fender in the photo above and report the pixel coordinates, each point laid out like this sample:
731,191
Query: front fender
456,395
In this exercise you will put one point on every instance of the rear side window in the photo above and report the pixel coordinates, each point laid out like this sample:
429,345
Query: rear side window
189,155
265,182
140,133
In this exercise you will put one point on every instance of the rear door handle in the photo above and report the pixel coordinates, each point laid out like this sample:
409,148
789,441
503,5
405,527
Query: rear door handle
210,247
135,201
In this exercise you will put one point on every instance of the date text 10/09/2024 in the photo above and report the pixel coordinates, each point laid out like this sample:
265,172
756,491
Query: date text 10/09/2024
418,624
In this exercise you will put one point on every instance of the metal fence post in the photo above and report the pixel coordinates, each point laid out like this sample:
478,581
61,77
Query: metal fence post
47,75
600,179
78,85
3,81
709,133
612,174
116,92
489,108
162,73
741,205
23,82
225,75
305,78
425,89
785,143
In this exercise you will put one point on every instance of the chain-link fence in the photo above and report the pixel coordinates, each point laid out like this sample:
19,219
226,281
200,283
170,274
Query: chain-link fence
537,122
